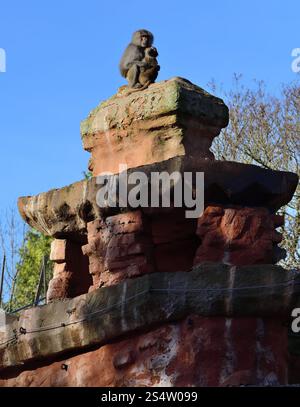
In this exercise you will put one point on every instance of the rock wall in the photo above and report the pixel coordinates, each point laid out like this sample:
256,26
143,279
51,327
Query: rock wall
184,328
197,351
143,295
169,119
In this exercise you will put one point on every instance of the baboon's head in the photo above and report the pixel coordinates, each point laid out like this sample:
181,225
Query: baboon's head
142,38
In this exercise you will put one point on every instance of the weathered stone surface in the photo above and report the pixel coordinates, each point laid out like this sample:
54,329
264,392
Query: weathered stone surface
5,320
65,212
169,119
238,236
118,248
110,312
197,351
131,244
154,321
175,241
58,251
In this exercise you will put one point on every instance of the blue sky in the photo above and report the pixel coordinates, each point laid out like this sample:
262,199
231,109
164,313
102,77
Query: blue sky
62,60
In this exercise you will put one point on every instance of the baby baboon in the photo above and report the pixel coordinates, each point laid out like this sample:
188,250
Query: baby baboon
149,73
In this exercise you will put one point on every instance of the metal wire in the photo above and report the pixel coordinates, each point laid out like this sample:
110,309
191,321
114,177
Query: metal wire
286,283
24,331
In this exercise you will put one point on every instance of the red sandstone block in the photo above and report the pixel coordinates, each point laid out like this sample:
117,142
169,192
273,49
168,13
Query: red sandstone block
236,236
133,270
88,249
59,268
196,351
112,264
58,250
95,226
113,252
59,287
118,251
214,211
125,222
108,278
121,240
96,265
95,247
137,248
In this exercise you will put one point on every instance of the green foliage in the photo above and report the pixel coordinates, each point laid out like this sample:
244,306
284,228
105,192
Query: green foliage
35,246
265,130
87,174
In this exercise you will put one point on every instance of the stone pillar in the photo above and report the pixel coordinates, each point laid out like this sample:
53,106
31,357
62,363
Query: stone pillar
169,119
239,236
118,248
70,273
171,293
242,236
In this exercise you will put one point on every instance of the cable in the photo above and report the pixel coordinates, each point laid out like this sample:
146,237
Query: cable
23,330
286,283
101,311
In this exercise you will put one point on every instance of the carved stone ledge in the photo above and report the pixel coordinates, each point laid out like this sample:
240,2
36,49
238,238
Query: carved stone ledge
65,212
139,304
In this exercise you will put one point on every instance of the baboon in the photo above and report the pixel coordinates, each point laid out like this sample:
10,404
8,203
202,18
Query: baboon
133,61
149,74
